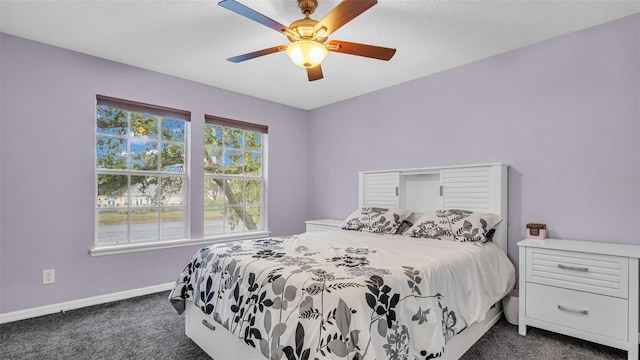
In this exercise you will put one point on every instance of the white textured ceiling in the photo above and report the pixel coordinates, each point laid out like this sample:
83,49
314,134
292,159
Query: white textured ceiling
192,39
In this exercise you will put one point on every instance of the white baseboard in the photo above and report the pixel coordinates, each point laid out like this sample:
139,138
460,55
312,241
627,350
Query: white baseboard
80,303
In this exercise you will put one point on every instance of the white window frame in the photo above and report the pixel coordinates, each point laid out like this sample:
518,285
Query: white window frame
211,120
189,190
159,242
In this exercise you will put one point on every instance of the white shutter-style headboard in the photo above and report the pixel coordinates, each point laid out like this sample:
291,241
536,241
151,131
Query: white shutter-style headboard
382,189
481,188
466,188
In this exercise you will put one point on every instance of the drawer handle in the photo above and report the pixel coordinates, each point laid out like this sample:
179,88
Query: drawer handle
212,327
575,268
577,311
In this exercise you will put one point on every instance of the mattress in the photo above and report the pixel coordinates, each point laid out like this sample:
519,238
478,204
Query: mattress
345,294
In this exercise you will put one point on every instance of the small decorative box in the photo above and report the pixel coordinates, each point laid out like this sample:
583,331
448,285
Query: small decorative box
536,231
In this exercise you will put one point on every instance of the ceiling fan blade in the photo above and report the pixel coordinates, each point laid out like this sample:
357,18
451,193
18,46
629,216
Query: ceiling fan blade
370,51
255,54
240,9
344,12
315,73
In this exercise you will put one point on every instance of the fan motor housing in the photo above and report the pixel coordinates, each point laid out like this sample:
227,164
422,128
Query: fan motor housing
305,29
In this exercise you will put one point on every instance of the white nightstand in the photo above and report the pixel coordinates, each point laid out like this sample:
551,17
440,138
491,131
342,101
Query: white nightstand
584,289
323,225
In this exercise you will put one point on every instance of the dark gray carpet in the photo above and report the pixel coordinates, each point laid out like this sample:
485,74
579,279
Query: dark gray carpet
148,328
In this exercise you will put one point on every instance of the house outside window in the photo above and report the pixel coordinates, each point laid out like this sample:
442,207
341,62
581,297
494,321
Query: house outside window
141,172
234,182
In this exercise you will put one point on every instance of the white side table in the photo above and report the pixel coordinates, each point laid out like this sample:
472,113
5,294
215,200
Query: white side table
584,289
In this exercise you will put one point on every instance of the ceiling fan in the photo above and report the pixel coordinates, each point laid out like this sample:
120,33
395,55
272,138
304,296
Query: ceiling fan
308,37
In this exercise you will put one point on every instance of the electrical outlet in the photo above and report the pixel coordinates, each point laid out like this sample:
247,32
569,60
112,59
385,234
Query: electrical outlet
48,276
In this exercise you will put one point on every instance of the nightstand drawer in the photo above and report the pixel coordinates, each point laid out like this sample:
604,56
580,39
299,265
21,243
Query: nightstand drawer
594,273
323,225
316,228
598,314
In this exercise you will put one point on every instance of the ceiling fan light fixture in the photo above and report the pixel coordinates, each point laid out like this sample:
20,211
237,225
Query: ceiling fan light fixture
308,37
307,53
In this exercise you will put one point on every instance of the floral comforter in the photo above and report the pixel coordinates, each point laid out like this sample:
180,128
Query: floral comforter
345,294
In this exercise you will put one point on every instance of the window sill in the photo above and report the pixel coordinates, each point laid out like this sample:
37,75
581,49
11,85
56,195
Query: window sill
100,250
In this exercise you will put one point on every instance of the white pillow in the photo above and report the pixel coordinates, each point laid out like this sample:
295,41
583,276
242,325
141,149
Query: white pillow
454,225
375,220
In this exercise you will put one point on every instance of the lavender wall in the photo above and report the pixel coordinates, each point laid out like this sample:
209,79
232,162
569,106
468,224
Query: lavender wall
578,94
562,113
47,170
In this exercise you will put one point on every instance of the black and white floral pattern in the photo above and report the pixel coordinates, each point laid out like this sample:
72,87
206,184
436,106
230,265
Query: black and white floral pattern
376,220
455,225
404,226
310,298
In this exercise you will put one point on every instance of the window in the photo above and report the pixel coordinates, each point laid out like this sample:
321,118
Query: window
233,176
140,172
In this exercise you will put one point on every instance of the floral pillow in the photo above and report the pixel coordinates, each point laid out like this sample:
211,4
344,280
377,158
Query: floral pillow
376,220
455,225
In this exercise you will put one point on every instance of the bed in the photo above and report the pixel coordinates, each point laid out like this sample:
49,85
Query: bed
357,294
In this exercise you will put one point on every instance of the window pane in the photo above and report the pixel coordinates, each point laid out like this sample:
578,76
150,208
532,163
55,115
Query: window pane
213,194
111,153
172,223
254,220
112,190
253,191
233,138
232,202
111,121
172,158
112,226
213,220
233,161
212,135
143,191
144,154
144,126
173,130
234,192
140,207
253,140
253,163
144,224
212,157
235,219
171,191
